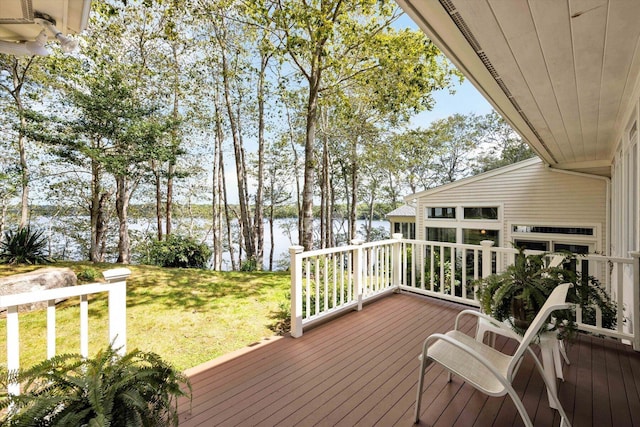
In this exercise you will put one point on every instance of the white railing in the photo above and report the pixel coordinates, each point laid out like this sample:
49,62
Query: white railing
117,300
328,281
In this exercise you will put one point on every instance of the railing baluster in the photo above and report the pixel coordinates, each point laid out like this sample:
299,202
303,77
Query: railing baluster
84,326
464,273
13,346
316,278
335,280
51,328
307,272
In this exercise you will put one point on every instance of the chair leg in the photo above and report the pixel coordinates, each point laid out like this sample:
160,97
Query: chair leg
424,362
564,421
519,405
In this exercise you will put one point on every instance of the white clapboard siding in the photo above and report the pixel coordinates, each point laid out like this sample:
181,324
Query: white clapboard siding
528,193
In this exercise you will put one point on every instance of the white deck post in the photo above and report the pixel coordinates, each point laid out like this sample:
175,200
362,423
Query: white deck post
13,346
296,290
486,257
116,278
357,270
636,300
397,259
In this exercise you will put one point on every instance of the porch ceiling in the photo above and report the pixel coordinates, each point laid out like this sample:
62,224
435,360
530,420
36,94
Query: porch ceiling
563,73
16,17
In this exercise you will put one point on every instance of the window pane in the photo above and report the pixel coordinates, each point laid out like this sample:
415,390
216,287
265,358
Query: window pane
582,231
441,213
396,227
532,245
441,234
576,249
481,213
474,237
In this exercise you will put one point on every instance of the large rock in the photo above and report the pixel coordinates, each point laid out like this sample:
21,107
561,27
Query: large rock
37,280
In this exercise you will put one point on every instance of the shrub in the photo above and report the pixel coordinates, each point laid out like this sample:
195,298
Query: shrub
249,264
88,274
69,390
24,246
179,251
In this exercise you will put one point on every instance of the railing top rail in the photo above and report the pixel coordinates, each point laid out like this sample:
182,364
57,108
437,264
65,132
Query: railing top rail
345,248
52,294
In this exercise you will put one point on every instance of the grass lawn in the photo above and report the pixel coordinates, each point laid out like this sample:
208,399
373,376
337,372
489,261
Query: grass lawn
187,316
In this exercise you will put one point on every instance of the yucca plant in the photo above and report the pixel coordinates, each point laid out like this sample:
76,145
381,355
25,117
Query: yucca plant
24,246
137,389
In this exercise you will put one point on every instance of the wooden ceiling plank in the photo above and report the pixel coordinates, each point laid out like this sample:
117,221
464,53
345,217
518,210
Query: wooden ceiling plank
620,72
517,25
551,21
588,28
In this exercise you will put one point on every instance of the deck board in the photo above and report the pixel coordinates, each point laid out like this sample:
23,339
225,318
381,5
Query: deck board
360,369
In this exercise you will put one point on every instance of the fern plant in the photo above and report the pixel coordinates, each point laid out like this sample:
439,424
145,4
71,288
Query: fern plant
24,246
137,389
517,294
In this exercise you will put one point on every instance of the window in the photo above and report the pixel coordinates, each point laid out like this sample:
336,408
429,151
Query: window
436,234
481,213
532,245
474,237
441,213
408,229
581,231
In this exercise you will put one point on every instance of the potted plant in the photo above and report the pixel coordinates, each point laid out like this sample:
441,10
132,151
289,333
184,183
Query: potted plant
517,294
69,390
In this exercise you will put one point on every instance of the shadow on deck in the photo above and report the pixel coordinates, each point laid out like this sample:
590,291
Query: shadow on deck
361,369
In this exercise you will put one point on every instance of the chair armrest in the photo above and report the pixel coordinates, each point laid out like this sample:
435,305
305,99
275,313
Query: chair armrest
480,315
495,325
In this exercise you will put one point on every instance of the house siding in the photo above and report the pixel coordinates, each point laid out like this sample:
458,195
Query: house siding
529,195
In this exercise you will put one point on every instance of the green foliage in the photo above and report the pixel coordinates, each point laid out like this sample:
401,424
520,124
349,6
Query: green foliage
179,251
505,146
24,246
250,264
517,294
88,274
138,388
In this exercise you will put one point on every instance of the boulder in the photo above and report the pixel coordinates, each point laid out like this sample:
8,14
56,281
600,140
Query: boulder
37,280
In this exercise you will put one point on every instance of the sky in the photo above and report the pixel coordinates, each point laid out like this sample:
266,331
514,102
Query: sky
465,100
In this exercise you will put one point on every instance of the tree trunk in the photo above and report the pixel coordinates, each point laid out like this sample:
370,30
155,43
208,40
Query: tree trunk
353,214
271,237
175,143
258,222
94,212
122,207
158,185
238,153
226,213
309,161
102,225
24,171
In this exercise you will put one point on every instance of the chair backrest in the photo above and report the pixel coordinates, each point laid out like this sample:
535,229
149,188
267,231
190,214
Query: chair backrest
557,300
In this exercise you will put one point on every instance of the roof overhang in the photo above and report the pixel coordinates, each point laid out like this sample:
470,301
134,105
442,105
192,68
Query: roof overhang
17,17
564,74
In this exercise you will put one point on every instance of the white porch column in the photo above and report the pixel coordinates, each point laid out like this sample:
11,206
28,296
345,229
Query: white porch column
116,278
296,290
636,300
486,257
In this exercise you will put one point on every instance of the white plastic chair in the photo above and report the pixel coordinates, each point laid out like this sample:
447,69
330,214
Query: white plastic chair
484,367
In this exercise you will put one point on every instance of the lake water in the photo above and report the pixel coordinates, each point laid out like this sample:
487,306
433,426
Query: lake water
63,246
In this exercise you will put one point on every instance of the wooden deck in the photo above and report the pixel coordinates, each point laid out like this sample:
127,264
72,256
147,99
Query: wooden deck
361,369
